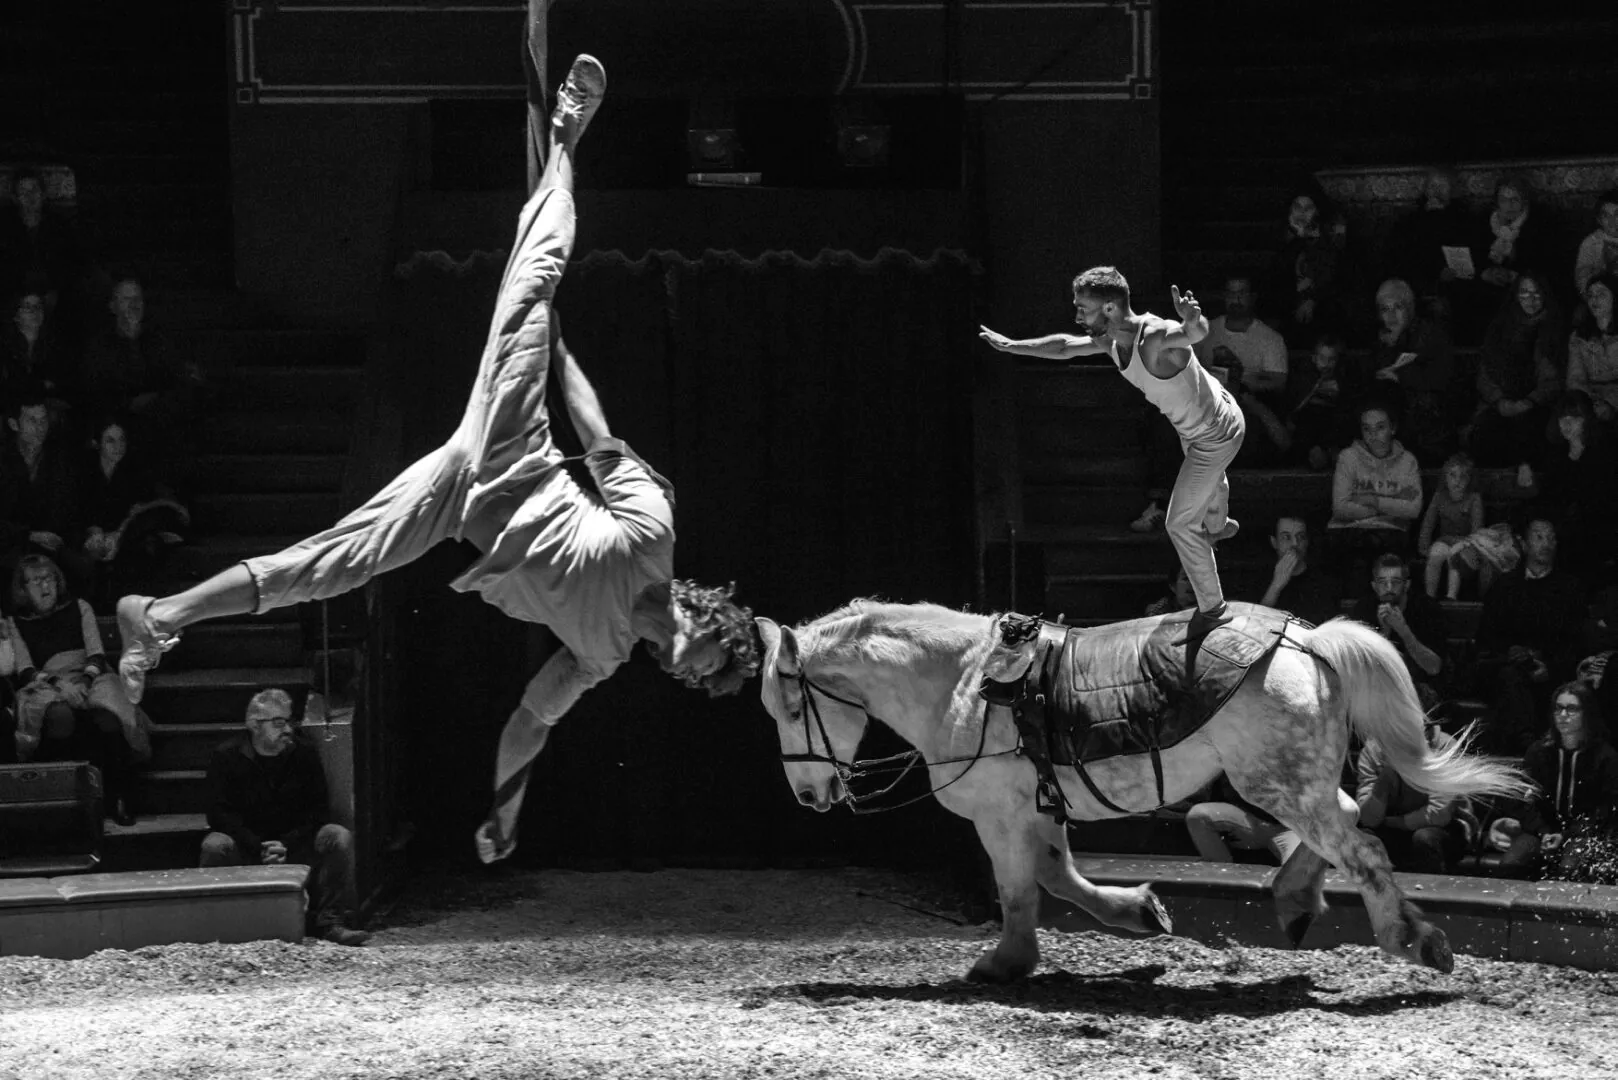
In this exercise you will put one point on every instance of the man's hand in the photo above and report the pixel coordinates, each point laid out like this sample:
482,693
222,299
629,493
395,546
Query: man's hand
997,340
47,540
1503,832
1391,618
1185,305
1285,567
272,852
1551,841
72,693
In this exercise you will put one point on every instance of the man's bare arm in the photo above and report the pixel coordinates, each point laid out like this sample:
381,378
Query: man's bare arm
1193,324
1049,347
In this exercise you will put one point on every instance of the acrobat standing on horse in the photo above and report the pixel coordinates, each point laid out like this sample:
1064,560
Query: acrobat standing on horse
1155,355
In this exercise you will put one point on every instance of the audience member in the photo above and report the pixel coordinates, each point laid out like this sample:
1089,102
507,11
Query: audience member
39,492
1580,466
1376,496
1410,620
130,518
1422,833
37,243
130,369
1414,360
71,704
1295,584
1239,333
1530,635
1268,438
1178,598
1592,350
1220,819
268,804
1431,248
30,358
1323,420
1569,826
1598,252
1515,240
1518,378
1454,538
1310,267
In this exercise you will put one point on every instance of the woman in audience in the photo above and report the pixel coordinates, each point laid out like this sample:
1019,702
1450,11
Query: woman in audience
1519,376
1569,824
1417,246
30,356
1415,362
1592,350
1307,282
131,518
1577,483
1515,240
1598,252
70,705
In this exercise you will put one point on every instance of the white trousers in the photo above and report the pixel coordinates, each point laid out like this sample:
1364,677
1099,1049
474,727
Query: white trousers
1199,505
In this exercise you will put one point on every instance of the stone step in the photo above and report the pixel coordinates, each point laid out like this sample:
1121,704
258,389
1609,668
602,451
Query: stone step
224,644
154,842
214,695
189,746
242,431
262,473
286,386
263,512
169,791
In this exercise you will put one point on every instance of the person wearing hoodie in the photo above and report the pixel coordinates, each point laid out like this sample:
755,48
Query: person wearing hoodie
1570,823
1375,496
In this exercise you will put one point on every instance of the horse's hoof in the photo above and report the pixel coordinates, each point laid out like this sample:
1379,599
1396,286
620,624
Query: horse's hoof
987,971
1297,928
1435,950
489,851
1154,917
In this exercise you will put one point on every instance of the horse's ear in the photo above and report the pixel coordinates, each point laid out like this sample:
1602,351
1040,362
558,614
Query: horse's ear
769,632
780,641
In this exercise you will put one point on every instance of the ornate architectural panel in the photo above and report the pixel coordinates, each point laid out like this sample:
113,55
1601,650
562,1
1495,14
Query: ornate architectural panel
317,51
1389,190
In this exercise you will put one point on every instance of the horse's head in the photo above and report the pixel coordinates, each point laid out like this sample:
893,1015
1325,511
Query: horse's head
820,723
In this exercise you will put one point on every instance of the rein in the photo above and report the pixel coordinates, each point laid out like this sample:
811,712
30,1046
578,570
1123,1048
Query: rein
850,771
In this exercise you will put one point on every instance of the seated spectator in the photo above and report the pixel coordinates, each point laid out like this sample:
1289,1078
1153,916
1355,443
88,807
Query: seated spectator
1598,252
1518,379
30,358
1239,333
1375,494
1530,636
1220,819
1453,537
1423,833
131,520
1268,441
1308,279
1295,584
1424,244
130,369
39,493
1515,240
1592,351
1323,420
1410,620
37,245
70,702
268,804
1414,364
1569,826
1178,598
1580,465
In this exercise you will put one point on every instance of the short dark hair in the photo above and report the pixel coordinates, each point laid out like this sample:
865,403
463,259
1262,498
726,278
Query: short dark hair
711,608
1377,404
1332,340
1103,281
29,397
1298,517
1389,560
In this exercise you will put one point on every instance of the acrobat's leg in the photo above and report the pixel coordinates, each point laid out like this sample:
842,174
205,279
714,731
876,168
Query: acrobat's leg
550,694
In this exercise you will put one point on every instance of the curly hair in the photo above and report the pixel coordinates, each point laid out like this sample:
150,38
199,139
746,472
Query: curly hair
711,609
1104,282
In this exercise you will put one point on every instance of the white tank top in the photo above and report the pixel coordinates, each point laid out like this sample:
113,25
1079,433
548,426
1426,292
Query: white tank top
1195,402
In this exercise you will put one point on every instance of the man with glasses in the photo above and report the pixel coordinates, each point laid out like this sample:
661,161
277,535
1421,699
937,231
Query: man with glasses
1411,621
268,804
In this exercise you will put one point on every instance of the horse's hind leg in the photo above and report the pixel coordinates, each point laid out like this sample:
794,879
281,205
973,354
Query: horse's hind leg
1011,845
1299,897
1134,908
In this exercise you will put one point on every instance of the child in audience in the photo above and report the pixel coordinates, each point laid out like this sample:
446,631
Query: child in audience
71,705
1453,536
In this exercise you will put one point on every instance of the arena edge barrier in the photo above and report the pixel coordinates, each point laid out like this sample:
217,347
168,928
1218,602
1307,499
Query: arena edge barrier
1564,923
66,918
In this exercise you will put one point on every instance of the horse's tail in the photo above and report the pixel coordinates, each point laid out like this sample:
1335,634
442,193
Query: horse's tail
1382,705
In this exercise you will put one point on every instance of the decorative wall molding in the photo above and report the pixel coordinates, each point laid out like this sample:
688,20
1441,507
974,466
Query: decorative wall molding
403,51
1378,190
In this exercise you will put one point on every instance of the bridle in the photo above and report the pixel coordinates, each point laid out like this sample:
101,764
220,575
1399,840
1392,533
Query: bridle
849,771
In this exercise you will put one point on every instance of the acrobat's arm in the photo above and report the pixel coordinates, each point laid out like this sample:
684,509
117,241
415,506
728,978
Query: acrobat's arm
1049,347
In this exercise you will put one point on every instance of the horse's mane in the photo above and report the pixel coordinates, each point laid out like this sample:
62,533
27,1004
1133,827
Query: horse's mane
884,632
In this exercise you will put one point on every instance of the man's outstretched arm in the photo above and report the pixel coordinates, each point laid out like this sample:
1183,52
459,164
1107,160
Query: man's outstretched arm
1049,347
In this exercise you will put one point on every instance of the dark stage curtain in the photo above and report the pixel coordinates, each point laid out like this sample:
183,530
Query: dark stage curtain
814,417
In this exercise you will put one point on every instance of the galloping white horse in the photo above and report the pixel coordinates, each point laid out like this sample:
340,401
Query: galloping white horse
1281,738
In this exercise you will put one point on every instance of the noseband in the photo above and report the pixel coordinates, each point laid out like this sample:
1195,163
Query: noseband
848,772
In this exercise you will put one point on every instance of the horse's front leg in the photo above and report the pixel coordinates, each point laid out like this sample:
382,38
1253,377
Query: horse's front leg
1012,847
1133,907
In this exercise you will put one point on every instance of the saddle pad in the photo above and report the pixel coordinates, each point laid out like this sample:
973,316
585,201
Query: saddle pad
1127,688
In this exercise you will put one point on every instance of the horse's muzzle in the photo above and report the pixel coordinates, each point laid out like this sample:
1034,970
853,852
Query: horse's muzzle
834,794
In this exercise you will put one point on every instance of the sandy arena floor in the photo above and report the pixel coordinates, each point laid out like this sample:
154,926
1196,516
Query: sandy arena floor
775,974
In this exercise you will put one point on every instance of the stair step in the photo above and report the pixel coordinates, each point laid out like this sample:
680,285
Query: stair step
242,431
215,695
189,746
258,473
250,512
169,791
1112,597
287,386
225,643
207,555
